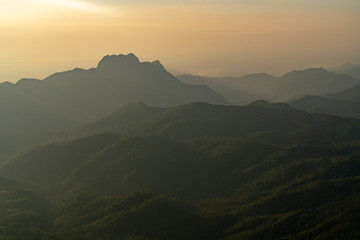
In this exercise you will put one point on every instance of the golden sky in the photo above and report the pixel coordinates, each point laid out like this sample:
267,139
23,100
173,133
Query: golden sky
208,37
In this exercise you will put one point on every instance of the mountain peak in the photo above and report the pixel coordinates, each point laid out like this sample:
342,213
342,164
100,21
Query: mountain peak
267,104
307,72
158,64
27,81
116,60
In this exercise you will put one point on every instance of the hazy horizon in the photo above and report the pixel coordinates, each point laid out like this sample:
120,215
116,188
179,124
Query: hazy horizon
210,38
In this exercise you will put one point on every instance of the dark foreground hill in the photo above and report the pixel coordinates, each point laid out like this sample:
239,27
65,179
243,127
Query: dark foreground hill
305,191
24,213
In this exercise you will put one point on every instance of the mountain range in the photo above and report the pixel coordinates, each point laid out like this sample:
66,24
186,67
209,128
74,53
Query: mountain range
295,84
349,69
117,80
344,103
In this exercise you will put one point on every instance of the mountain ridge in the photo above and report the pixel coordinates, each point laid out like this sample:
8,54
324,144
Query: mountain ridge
291,85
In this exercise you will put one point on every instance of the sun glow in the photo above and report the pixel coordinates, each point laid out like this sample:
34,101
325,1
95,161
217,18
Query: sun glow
77,5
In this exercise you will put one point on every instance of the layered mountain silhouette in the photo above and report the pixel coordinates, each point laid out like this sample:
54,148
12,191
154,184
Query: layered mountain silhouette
85,95
333,106
345,103
314,81
349,69
36,107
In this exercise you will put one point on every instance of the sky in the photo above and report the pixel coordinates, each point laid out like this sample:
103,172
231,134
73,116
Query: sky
205,37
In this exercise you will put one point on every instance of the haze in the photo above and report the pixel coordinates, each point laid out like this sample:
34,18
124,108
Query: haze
212,38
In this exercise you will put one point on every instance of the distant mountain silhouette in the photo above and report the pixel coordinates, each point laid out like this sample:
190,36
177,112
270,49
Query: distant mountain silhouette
314,81
351,94
238,90
86,95
319,104
349,69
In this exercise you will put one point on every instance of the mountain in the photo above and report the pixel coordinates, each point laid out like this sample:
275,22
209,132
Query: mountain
314,81
319,104
351,94
238,90
85,95
349,69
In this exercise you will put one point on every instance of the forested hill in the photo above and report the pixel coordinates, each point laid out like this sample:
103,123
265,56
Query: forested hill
195,171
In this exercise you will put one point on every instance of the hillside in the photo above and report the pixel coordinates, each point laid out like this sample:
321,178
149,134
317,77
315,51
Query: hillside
24,213
130,162
278,123
242,90
120,121
195,171
140,215
351,94
23,121
244,190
